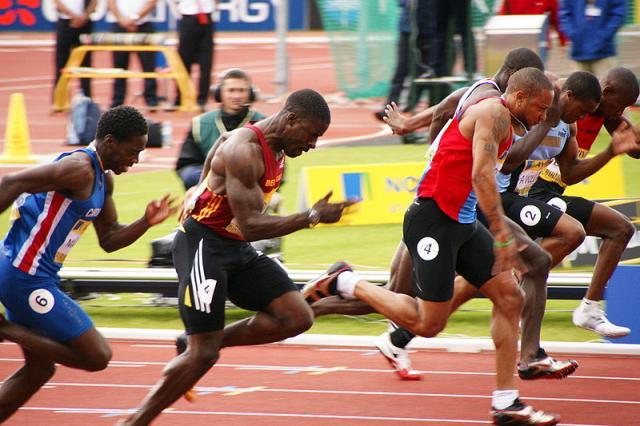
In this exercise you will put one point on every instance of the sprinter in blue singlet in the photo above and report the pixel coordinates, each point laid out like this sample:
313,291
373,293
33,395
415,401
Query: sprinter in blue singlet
53,205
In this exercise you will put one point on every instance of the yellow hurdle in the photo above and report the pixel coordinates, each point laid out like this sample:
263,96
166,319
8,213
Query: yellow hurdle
16,136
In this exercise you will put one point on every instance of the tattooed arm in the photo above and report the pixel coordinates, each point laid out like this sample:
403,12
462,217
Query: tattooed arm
492,125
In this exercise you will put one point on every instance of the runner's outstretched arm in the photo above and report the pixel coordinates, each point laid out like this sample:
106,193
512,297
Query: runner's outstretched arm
574,170
112,235
444,111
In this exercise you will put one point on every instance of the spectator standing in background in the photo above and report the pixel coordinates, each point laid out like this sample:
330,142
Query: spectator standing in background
73,20
196,42
536,7
413,13
591,25
132,16
442,12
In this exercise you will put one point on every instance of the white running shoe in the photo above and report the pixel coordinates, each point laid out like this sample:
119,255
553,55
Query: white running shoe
398,358
592,317
519,413
545,367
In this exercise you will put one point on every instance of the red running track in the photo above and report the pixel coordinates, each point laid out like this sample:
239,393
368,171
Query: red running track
278,384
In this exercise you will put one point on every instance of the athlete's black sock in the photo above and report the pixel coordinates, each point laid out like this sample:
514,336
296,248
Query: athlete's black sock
181,343
401,337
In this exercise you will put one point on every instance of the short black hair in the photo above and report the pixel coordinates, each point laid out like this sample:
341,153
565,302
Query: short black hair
624,80
584,85
529,80
522,57
308,103
122,122
235,73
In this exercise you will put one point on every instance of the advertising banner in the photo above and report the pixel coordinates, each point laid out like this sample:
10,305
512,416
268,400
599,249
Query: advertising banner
586,254
385,189
607,183
230,15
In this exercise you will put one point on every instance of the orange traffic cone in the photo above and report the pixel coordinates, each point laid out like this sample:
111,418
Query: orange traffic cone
16,137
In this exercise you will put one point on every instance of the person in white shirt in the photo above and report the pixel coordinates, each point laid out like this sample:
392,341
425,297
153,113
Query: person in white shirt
133,16
73,20
196,43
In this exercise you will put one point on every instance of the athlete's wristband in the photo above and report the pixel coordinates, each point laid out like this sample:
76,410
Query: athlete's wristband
313,216
507,243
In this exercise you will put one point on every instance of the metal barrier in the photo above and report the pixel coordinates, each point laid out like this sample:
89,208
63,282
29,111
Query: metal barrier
561,285
123,43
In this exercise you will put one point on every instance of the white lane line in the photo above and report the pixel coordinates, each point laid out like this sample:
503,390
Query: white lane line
260,70
115,411
258,367
356,392
384,131
312,60
127,366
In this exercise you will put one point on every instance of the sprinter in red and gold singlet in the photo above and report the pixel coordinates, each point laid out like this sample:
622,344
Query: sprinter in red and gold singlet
214,211
214,259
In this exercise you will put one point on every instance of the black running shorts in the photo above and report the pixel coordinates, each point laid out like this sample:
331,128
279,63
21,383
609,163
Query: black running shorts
440,247
536,217
551,193
211,268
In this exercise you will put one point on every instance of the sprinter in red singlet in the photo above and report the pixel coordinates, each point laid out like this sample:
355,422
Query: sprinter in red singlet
443,236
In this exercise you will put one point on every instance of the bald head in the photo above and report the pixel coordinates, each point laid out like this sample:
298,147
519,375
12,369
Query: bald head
529,95
622,80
